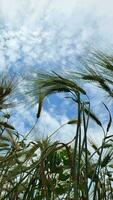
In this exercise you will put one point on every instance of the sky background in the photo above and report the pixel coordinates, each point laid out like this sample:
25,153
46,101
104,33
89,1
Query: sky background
54,35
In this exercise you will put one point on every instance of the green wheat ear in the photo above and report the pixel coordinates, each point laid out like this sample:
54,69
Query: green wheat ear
44,85
6,90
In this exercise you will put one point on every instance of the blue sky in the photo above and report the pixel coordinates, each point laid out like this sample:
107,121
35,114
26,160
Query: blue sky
52,35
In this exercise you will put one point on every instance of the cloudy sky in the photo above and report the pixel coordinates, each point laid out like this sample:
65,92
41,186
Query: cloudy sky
52,35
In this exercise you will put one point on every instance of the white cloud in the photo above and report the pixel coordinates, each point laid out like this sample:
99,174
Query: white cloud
51,34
